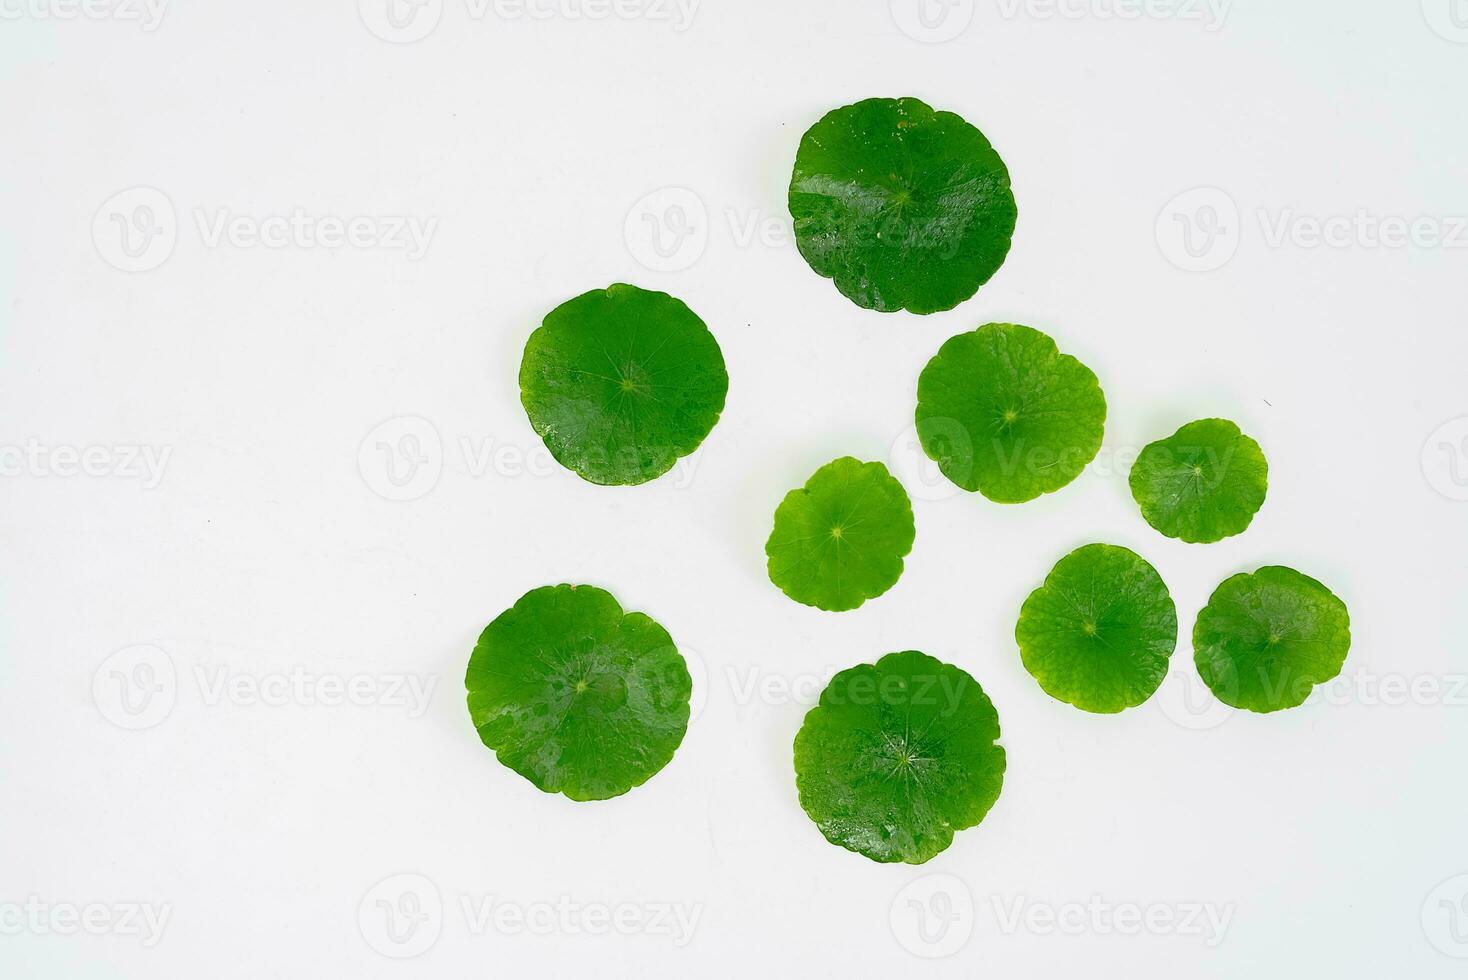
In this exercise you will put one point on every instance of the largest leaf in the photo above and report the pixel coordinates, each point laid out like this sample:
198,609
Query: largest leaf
904,207
621,382
1004,412
897,756
577,696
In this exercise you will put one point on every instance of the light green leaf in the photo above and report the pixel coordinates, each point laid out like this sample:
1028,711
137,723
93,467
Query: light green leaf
1004,412
1203,483
840,540
1099,632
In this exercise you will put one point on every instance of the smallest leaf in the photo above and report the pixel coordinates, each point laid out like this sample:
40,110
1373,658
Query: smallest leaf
1203,483
840,540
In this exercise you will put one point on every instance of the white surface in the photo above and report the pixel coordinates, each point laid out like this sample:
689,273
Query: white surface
1329,834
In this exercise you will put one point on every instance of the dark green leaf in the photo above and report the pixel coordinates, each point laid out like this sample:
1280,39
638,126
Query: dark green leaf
621,382
904,207
575,695
898,756
1265,640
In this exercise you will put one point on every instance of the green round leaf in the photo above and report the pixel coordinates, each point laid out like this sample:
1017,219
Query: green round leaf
621,382
1099,632
1203,483
1265,640
840,540
899,755
904,207
575,695
1003,412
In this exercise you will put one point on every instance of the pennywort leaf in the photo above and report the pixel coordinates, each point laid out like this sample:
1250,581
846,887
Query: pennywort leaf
1098,634
1203,483
1266,639
840,540
577,696
899,755
621,382
1005,413
904,207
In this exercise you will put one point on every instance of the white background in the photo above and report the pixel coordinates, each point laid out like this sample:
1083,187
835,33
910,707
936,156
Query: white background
1330,834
